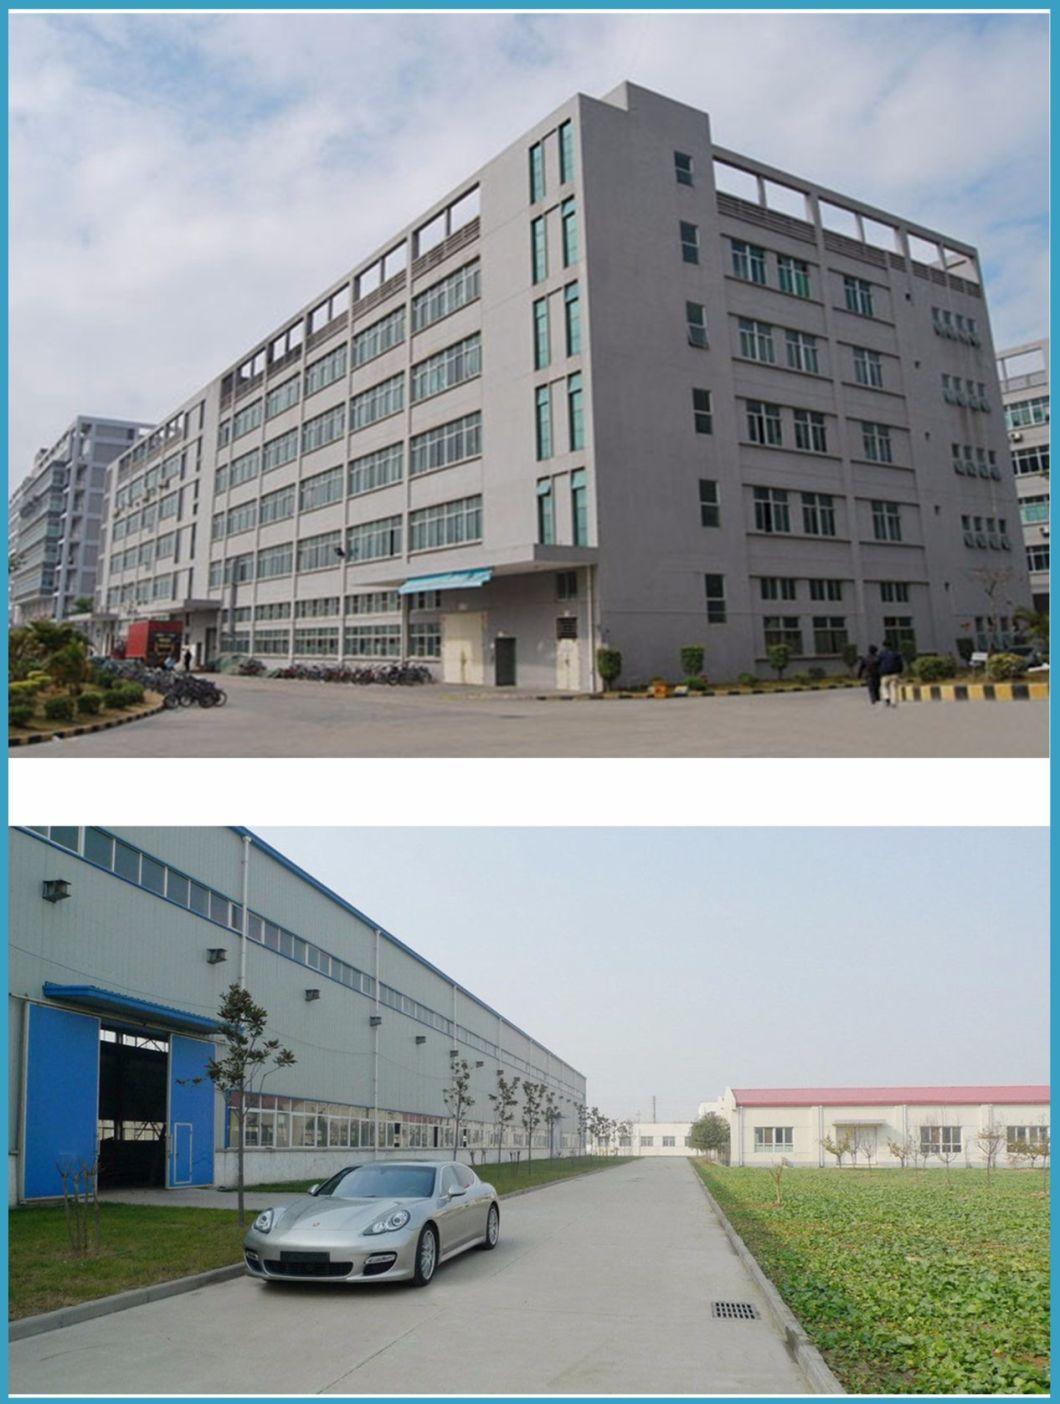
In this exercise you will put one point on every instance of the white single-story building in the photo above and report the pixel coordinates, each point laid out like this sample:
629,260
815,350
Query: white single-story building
657,1138
885,1125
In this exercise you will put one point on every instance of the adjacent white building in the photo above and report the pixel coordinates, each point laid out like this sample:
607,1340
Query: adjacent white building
1024,375
944,1123
658,1138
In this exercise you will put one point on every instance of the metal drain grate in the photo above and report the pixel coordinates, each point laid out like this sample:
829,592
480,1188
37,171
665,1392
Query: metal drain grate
734,1311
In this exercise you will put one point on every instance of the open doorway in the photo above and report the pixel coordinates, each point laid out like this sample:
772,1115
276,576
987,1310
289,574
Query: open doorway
132,1108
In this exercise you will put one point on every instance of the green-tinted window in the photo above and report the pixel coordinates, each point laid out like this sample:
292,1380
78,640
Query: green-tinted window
569,223
579,496
543,407
99,848
573,313
537,172
576,411
542,339
566,152
546,513
538,250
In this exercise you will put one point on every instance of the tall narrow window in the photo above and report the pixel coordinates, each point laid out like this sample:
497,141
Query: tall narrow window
748,261
793,275
886,521
709,507
544,422
715,591
696,324
756,341
810,431
876,440
538,250
542,339
868,367
537,172
689,242
771,510
569,225
763,423
576,411
802,352
683,168
566,152
858,294
546,513
702,413
572,310
818,514
579,500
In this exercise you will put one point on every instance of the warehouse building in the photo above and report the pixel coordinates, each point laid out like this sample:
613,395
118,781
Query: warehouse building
1024,375
657,1138
945,1125
122,945
54,515
621,386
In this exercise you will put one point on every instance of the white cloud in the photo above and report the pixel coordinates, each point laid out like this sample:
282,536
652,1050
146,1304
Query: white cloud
180,183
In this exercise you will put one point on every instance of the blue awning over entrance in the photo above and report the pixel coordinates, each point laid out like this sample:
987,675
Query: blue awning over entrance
110,1002
451,580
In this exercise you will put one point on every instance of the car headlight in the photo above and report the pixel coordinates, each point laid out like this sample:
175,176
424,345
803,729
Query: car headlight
397,1220
264,1221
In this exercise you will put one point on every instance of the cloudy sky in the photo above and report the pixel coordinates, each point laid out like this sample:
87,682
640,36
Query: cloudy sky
674,962
181,182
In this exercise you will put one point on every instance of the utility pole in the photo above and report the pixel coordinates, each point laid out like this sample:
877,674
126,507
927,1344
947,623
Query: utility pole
653,1117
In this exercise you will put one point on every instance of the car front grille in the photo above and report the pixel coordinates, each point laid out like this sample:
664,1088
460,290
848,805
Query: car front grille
310,1269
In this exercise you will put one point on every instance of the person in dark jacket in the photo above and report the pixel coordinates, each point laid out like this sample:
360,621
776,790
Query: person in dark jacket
891,665
869,669
187,660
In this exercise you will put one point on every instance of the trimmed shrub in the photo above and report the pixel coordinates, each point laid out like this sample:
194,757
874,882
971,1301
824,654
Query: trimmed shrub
692,660
134,691
747,680
851,657
123,694
20,713
29,687
779,656
1002,667
932,668
59,708
89,704
696,684
608,665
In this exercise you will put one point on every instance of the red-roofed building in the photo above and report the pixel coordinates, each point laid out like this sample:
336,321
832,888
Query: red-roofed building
886,1125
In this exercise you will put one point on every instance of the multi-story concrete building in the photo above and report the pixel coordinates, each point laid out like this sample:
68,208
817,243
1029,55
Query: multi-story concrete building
620,386
1024,375
54,518
945,1125
126,942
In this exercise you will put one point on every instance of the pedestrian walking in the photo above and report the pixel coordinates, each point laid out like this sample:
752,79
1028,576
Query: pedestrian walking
869,669
891,667
187,660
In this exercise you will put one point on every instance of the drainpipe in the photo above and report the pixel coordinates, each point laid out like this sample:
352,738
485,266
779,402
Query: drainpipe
589,571
243,934
375,1056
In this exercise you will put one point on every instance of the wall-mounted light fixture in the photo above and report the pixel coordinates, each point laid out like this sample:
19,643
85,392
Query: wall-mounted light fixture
454,1052
375,1020
480,1064
54,889
216,954
312,994
421,1038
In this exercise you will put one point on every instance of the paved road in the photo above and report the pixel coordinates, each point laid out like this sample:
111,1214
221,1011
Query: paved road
601,1285
282,717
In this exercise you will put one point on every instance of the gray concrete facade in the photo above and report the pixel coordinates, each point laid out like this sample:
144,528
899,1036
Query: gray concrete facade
666,414
372,1044
1024,375
54,518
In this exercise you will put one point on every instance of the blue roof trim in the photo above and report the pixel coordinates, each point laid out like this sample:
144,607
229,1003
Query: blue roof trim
110,1001
321,887
449,580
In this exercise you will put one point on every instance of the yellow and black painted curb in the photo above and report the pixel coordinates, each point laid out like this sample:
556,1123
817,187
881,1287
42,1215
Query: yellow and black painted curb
83,730
974,692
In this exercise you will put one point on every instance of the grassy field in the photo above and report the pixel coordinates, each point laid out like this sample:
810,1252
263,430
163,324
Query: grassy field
143,1244
908,1282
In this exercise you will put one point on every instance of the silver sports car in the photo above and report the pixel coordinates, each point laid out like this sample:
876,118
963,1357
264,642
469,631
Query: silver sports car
394,1220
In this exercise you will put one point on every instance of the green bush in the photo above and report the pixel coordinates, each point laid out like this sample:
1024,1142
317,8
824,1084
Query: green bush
59,708
134,691
25,690
20,713
696,684
801,678
932,668
779,656
747,680
89,703
851,657
692,659
608,665
965,649
1002,667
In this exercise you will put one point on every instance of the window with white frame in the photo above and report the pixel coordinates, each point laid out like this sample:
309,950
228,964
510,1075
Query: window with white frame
802,352
771,509
774,1138
756,341
748,261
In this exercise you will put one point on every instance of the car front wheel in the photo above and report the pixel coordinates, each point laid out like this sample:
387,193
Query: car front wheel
493,1227
426,1257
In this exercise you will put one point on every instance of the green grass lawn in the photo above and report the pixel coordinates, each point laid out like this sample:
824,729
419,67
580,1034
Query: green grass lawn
908,1282
143,1244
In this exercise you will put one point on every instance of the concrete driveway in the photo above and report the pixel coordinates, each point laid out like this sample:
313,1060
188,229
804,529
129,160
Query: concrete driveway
599,1285
285,717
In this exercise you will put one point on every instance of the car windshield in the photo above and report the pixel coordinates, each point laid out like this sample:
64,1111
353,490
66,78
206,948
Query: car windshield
381,1182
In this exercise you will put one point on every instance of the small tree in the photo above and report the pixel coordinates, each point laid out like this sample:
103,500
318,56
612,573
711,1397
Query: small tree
692,660
581,1113
839,1145
247,1058
623,1132
1035,624
994,582
608,665
904,1150
779,656
533,1104
711,1134
552,1116
851,657
80,1202
457,1096
776,1172
83,604
990,1140
504,1100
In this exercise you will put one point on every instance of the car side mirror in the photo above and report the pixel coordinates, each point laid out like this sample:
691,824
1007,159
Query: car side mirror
313,1189
456,1191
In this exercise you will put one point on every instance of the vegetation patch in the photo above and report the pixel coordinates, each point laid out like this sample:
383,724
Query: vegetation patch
908,1282
505,1178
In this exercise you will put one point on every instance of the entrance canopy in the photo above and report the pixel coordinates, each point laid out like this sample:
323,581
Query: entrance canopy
110,1002
450,580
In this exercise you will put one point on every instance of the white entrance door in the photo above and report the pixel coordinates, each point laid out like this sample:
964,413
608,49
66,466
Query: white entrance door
568,665
463,654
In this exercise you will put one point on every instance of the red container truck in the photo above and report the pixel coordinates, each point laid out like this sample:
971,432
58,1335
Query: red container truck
154,640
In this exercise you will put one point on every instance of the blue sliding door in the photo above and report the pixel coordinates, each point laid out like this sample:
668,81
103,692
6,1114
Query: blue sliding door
191,1102
62,1097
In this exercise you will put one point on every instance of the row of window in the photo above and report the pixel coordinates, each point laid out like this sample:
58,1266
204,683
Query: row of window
568,228
544,437
955,325
1025,414
136,866
354,641
538,184
969,393
784,587
934,1140
985,532
572,326
975,462
579,506
1030,460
